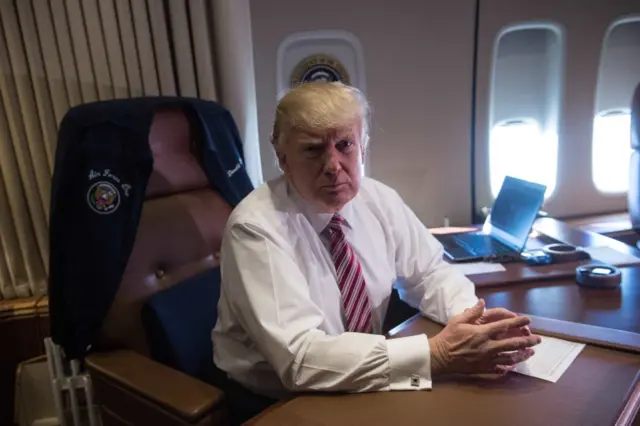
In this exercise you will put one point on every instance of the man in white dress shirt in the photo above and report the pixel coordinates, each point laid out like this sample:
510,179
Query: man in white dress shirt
308,264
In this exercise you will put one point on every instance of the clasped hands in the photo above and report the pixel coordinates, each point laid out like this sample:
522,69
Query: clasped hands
478,341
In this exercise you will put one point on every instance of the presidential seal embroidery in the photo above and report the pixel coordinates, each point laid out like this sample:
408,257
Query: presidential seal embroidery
319,67
103,197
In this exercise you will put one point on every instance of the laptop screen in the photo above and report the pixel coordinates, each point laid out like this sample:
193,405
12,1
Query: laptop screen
515,209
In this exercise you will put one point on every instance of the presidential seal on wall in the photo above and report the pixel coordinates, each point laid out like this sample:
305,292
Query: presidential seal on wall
319,67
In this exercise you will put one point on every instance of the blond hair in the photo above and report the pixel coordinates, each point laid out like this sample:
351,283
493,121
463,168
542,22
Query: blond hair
319,106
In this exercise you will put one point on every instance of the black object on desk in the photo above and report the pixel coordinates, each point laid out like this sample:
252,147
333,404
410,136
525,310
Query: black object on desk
562,253
598,276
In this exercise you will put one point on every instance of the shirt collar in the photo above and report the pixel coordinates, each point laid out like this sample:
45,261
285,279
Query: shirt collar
319,221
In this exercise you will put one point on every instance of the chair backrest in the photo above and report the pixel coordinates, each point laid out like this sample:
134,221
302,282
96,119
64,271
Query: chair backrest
179,233
634,166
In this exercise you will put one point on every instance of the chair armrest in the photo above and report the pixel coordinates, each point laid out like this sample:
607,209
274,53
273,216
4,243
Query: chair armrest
124,375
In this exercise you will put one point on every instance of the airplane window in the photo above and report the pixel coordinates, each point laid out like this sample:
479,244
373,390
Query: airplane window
617,80
611,151
521,149
524,104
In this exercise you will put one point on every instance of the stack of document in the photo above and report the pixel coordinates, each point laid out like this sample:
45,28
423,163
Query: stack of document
475,268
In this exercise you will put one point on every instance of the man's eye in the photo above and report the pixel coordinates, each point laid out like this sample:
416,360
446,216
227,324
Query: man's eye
344,144
314,150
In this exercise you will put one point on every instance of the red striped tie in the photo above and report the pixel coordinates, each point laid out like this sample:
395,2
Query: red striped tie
355,299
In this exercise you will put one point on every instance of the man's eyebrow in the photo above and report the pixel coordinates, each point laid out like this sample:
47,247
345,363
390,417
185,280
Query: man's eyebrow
346,135
311,141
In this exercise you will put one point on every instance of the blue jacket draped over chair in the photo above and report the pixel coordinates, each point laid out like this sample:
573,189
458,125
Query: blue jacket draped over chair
102,166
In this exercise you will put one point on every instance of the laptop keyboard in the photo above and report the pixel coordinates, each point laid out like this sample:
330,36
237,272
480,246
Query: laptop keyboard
481,245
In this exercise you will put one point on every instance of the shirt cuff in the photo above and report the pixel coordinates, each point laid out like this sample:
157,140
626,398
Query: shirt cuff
410,363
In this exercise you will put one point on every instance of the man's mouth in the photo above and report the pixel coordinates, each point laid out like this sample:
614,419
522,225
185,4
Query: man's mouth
334,185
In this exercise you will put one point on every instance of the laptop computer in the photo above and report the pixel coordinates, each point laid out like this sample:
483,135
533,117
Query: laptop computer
506,230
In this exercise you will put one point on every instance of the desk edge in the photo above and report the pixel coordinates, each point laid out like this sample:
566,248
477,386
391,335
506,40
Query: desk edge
586,333
398,328
629,412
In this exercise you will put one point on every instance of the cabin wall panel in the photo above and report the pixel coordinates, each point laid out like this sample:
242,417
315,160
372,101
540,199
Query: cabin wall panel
418,66
584,25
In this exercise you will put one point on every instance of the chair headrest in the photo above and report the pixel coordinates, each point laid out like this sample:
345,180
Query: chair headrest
176,167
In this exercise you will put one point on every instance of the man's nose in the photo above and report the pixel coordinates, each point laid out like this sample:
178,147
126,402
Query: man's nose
331,162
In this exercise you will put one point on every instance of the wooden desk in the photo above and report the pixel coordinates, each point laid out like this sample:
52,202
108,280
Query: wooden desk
562,232
560,298
600,388
616,225
550,231
557,295
563,299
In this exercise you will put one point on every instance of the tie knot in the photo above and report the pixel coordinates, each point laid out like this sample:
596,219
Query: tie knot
336,223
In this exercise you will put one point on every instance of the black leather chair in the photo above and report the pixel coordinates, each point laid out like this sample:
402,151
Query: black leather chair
175,254
634,167
149,363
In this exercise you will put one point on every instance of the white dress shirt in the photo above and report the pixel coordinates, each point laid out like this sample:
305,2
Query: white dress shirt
280,323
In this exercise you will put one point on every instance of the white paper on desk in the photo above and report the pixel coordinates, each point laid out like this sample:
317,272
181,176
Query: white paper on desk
551,359
612,257
473,268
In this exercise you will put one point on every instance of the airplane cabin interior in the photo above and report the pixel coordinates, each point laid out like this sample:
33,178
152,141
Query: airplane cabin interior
131,130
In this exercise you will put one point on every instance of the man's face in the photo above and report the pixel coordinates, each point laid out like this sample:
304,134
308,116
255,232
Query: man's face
324,167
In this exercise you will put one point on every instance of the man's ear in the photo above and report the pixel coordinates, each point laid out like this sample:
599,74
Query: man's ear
282,160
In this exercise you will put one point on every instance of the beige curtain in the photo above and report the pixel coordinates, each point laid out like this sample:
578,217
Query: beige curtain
55,54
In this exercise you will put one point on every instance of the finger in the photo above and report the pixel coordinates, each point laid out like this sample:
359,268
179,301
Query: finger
470,315
513,344
499,369
513,358
496,314
502,326
514,332
503,369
